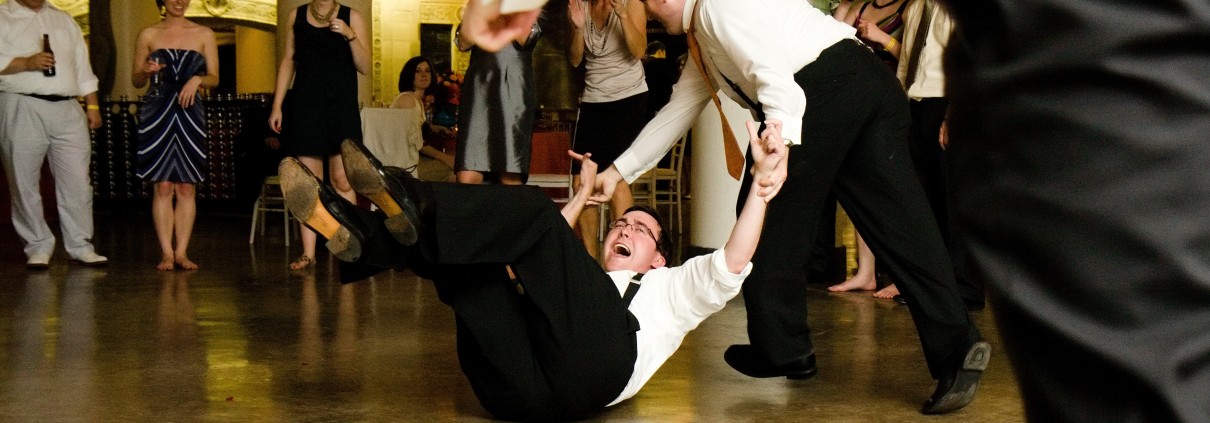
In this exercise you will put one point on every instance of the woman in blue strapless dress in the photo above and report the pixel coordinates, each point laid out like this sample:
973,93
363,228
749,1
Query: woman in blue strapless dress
177,56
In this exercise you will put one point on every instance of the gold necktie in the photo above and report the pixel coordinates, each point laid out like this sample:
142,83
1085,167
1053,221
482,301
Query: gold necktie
735,158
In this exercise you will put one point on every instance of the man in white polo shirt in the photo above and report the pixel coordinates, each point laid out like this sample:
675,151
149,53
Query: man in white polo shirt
40,119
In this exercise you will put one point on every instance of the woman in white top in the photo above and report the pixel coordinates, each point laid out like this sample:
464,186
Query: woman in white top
609,37
417,76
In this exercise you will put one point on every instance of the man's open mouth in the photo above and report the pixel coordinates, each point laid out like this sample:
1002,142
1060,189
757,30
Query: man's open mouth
621,250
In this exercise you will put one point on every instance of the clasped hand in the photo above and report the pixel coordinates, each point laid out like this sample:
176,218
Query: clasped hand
769,154
588,174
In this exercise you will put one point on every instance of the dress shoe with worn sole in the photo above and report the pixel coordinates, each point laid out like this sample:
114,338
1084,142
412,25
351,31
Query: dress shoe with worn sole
956,390
317,207
744,359
368,178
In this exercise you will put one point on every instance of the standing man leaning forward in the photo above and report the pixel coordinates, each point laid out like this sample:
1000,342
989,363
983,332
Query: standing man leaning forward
40,118
775,56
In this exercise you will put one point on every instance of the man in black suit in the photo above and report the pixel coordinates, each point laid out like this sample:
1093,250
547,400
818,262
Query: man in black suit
1085,198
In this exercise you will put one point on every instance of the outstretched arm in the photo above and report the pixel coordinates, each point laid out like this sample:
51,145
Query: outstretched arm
588,173
769,155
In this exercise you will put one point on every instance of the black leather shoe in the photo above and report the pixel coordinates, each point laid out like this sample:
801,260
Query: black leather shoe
321,209
957,389
368,178
744,359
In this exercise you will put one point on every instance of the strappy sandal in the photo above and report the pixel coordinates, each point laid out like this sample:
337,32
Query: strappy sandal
302,262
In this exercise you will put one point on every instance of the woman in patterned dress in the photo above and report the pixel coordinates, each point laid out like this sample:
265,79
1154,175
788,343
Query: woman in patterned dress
178,56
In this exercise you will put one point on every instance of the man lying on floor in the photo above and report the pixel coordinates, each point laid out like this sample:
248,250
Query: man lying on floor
567,338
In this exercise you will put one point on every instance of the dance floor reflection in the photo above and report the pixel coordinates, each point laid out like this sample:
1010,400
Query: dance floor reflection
244,339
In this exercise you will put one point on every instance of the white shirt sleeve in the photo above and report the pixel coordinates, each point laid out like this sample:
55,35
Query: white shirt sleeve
689,96
701,287
5,58
85,79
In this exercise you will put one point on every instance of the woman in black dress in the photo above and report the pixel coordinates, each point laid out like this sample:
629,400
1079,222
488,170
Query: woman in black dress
324,54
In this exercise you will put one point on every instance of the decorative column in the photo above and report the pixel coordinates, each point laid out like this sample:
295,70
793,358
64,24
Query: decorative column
134,16
256,71
100,44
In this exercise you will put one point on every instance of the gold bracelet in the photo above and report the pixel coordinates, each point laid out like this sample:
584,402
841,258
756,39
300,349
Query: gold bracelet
890,45
92,107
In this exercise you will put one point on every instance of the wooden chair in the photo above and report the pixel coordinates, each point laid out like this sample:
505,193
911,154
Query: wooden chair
662,186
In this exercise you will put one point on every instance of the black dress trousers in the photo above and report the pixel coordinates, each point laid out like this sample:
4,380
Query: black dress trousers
854,142
561,350
1086,199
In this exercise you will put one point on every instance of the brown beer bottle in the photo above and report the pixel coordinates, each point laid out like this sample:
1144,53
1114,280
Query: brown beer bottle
46,49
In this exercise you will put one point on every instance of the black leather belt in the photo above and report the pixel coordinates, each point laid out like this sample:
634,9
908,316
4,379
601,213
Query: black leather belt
47,97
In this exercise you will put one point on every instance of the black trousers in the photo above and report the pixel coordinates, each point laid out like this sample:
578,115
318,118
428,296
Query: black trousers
935,173
560,351
1086,200
855,143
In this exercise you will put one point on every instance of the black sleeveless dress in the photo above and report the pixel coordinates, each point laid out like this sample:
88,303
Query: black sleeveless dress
321,109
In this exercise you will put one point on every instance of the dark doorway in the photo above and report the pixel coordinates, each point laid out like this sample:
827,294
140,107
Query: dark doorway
226,69
435,44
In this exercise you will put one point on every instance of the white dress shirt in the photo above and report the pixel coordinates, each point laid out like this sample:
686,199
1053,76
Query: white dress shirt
21,32
670,302
930,72
759,45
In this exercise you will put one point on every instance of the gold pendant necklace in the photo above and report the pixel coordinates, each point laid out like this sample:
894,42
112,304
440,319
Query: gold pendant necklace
324,18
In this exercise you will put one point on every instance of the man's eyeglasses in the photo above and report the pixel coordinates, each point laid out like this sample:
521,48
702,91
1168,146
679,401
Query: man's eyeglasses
636,226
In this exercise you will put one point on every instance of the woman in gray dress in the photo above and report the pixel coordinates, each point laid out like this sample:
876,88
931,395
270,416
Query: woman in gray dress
498,105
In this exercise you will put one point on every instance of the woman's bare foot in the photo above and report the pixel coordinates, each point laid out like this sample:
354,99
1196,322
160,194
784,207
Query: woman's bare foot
303,262
858,282
185,263
166,264
889,292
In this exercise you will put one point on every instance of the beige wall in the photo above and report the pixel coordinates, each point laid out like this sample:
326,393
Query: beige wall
395,39
399,40
129,17
399,36
256,70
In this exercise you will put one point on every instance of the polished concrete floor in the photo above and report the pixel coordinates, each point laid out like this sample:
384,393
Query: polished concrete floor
244,339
